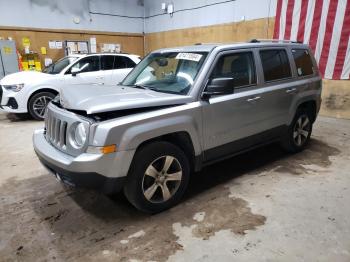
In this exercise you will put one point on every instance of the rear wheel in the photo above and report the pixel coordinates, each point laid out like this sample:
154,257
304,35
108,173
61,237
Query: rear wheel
158,177
37,104
299,132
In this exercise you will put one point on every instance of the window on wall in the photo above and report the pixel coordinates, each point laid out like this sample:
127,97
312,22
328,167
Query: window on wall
239,66
303,62
275,64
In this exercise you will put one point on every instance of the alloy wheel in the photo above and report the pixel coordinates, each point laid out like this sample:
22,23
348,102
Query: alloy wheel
40,104
301,130
162,179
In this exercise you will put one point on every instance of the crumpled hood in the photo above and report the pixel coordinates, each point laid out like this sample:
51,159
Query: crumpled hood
98,99
24,77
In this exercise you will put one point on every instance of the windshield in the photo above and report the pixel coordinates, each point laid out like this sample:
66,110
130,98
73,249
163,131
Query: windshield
59,65
168,72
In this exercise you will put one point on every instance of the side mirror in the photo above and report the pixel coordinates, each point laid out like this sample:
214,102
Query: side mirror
76,71
219,86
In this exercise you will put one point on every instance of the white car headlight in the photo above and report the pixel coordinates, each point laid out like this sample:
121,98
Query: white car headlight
15,88
80,135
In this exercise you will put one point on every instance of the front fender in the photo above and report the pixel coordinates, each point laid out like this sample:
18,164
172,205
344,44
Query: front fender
34,89
138,134
130,131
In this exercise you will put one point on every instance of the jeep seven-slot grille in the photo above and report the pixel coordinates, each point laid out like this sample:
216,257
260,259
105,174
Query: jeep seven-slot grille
56,131
59,124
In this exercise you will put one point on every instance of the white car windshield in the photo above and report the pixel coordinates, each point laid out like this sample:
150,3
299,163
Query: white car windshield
168,72
59,65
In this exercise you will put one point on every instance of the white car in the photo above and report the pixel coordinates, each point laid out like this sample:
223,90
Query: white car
30,92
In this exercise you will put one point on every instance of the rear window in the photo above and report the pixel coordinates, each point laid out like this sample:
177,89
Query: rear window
303,62
129,63
275,64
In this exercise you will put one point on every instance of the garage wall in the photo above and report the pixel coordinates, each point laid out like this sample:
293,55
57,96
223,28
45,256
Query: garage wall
130,43
236,21
45,20
95,15
223,33
197,13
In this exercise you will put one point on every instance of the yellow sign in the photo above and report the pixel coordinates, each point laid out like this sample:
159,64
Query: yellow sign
37,66
7,50
43,50
26,42
25,66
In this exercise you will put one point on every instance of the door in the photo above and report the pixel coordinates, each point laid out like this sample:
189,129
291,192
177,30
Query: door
9,59
88,72
279,88
229,118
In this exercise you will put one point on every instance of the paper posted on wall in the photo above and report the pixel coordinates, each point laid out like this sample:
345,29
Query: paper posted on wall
59,45
48,61
52,44
83,47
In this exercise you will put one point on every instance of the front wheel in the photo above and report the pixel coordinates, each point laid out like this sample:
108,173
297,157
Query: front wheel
299,132
158,177
38,103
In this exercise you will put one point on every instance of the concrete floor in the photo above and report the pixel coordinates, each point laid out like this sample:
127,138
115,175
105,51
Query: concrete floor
264,205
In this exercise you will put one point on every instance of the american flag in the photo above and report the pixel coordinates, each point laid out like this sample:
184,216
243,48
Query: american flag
324,25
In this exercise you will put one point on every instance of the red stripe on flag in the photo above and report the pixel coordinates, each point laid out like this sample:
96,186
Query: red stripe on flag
277,20
315,24
332,10
301,28
343,44
289,19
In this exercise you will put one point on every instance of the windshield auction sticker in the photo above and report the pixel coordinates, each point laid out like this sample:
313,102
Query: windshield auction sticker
189,56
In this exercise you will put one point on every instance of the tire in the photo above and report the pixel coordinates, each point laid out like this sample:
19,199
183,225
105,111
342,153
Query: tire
146,184
37,104
295,140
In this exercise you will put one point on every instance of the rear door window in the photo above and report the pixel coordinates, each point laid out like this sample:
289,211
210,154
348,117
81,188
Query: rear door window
119,62
303,62
107,62
275,64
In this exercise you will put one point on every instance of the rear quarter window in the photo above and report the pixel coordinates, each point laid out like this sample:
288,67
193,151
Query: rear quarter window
303,62
275,64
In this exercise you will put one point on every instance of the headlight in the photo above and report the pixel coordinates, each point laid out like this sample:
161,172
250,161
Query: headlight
80,135
15,88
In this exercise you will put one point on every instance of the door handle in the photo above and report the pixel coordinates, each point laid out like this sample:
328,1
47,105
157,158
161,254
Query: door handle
291,91
99,77
254,99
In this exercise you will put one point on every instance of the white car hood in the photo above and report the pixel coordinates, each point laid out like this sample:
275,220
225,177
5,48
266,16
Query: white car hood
98,99
25,77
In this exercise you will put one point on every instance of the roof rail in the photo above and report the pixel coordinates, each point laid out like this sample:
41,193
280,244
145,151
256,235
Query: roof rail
274,41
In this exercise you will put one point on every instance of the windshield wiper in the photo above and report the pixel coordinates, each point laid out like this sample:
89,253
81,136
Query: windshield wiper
138,86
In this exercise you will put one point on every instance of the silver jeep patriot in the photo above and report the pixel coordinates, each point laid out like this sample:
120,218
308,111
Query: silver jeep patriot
177,111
